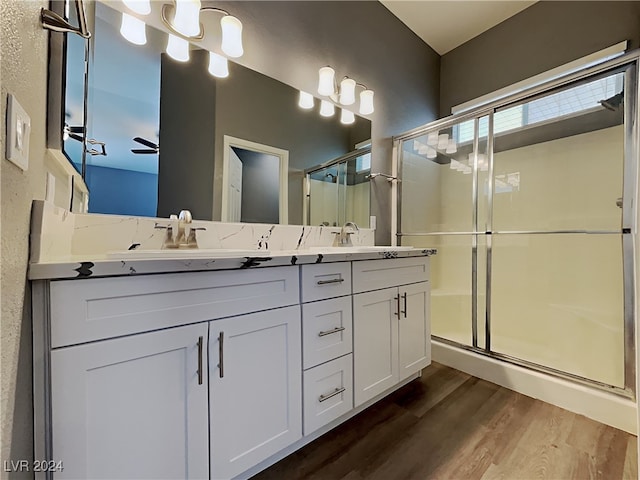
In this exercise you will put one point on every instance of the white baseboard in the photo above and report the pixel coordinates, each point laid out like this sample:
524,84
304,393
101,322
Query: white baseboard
604,407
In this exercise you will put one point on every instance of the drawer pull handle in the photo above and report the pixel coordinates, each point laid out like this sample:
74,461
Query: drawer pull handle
221,353
200,345
326,282
329,332
397,312
337,391
404,296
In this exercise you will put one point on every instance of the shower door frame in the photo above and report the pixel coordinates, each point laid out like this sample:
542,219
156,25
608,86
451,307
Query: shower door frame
629,231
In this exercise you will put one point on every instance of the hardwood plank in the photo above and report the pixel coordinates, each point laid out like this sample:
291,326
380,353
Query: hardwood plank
448,425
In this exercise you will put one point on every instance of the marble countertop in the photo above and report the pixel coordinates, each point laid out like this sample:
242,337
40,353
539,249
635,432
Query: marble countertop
78,267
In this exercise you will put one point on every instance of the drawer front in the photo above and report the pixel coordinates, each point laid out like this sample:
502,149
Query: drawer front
384,273
325,280
327,328
328,393
94,309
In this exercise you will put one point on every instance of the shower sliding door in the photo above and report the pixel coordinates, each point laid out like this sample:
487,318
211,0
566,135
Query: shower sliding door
530,207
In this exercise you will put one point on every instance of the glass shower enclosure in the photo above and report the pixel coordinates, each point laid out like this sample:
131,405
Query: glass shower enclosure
530,203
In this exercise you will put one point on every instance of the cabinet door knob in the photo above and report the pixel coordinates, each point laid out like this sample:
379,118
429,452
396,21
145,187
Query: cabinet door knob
221,353
200,345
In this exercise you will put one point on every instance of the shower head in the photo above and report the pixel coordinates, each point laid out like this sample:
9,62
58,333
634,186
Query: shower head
613,103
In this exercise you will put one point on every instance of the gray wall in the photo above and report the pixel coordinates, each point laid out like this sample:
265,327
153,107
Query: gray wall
185,165
260,187
543,36
290,41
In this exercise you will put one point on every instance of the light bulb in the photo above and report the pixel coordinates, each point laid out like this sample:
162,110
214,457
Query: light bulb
306,100
347,117
133,29
326,109
451,147
432,139
348,91
231,36
218,65
325,81
366,102
443,141
178,48
142,7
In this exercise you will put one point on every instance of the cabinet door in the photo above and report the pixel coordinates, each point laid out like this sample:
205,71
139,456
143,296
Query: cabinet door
256,388
414,333
132,407
375,343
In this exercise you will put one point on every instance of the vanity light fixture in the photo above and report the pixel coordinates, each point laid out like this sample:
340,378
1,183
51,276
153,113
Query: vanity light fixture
183,19
345,93
306,100
133,29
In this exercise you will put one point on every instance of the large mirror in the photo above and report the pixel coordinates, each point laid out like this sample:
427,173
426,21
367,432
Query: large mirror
175,137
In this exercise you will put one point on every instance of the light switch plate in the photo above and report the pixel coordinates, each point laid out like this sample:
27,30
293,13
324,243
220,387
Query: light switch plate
18,133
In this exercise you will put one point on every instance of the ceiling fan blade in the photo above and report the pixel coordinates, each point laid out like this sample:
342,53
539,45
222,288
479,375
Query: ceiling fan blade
143,151
145,142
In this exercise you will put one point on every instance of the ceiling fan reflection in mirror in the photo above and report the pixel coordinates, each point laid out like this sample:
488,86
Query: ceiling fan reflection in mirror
153,149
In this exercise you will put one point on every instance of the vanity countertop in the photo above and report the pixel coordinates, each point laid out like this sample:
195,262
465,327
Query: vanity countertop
76,267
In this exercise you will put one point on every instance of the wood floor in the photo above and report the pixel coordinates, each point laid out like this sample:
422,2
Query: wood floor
449,425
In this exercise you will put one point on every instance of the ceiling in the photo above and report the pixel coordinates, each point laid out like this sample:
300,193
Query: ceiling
444,25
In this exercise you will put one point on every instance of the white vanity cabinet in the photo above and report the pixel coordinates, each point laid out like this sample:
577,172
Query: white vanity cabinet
133,407
217,374
256,392
392,336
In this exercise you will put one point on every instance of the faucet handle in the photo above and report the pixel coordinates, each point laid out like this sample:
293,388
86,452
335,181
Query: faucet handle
185,216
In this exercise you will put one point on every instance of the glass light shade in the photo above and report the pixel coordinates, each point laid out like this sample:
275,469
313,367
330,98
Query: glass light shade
325,81
443,141
466,170
187,17
423,149
326,109
142,7
451,146
366,102
416,145
231,36
455,165
432,139
306,100
218,65
432,153
178,48
348,91
347,117
133,29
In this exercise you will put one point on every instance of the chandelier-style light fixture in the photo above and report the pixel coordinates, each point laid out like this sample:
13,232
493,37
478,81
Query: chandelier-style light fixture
182,18
345,93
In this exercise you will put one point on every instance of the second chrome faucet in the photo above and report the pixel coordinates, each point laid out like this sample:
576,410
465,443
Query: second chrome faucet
180,232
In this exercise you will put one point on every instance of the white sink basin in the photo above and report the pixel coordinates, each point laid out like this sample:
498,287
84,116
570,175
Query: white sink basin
359,249
185,253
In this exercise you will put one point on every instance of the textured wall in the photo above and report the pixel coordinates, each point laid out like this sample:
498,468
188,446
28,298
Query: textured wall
542,37
24,73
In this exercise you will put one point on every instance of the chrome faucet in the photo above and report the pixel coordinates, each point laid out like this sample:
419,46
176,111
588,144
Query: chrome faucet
185,234
343,237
